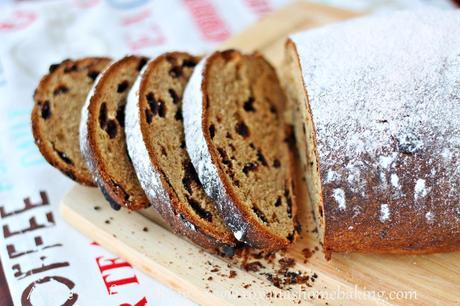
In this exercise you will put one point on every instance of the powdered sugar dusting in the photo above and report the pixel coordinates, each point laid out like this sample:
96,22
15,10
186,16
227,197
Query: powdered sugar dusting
384,213
429,217
385,98
339,196
395,180
420,190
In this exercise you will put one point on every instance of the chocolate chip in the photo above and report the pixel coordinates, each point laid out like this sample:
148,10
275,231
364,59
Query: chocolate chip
71,68
298,227
152,103
61,89
249,105
175,98
70,174
122,86
142,63
148,115
45,110
259,214
121,190
278,202
224,156
182,144
276,163
242,129
249,167
103,115
178,115
290,138
111,128
189,63
290,237
287,196
175,71
161,109
261,158
64,157
121,115
200,211
212,131
53,67
163,151
273,109
190,176
93,74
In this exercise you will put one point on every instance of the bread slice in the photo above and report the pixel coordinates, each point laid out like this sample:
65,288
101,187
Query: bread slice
102,136
238,142
59,98
156,144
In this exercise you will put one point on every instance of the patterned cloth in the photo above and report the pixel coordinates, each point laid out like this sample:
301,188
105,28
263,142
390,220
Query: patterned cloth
44,259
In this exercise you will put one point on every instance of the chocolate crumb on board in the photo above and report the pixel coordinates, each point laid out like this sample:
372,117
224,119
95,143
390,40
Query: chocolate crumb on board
307,253
145,229
232,274
254,266
97,207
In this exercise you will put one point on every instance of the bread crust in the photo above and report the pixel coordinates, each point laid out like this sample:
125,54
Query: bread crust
154,181
81,176
112,190
408,229
210,171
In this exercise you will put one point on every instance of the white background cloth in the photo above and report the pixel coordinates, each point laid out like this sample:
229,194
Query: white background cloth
34,35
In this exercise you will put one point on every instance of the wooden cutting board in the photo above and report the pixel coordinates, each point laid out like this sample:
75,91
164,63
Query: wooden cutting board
145,241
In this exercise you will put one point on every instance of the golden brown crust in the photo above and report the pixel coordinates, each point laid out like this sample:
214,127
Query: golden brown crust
42,97
119,191
174,212
255,234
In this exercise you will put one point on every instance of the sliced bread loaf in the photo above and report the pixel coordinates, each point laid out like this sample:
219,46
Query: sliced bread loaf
378,113
156,144
59,98
237,140
102,136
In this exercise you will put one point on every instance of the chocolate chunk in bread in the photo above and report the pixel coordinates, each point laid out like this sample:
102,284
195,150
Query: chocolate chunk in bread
155,136
102,136
59,98
236,142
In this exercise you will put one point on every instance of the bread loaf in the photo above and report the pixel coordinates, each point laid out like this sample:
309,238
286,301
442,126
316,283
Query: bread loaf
59,98
377,105
156,144
238,143
102,136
